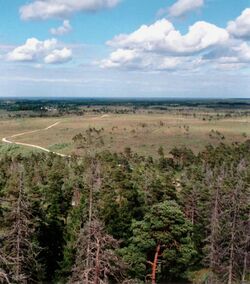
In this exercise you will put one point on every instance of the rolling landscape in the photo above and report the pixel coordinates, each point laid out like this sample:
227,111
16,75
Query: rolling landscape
143,129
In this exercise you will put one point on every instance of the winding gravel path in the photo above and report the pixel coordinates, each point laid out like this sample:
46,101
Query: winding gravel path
6,140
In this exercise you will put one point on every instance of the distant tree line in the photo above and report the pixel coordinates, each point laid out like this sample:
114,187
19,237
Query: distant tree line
211,109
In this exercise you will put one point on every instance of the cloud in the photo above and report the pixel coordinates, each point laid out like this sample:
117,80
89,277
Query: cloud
160,47
145,36
240,28
58,56
144,61
163,37
31,50
243,52
235,56
182,7
120,57
35,50
45,9
63,29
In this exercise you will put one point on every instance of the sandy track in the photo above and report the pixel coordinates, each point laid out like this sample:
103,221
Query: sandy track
101,117
6,140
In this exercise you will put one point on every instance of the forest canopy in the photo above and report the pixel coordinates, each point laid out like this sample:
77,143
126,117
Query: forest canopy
126,218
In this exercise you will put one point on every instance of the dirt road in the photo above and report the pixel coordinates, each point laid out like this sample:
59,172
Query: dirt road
8,141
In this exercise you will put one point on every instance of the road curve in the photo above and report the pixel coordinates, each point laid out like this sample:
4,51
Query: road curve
6,140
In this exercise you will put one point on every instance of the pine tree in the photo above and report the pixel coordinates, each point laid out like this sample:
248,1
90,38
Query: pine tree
96,259
163,236
19,250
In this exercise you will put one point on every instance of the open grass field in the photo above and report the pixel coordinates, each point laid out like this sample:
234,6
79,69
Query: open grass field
143,133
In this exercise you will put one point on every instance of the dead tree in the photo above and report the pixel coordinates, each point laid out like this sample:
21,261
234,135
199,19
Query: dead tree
18,252
96,260
228,239
238,225
94,185
3,275
213,249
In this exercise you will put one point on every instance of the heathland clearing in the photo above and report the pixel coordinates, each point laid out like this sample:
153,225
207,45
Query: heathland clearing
143,133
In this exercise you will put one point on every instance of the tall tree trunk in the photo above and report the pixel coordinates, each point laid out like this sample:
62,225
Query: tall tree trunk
18,240
89,221
214,229
233,240
97,263
94,184
230,267
231,257
154,266
244,268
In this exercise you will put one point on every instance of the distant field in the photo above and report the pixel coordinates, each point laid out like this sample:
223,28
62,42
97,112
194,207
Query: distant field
143,133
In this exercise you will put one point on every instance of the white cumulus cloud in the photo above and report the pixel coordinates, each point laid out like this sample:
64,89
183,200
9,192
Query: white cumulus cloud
145,61
31,50
243,52
182,7
58,56
161,47
234,56
122,58
240,28
35,50
63,29
145,36
45,9
163,37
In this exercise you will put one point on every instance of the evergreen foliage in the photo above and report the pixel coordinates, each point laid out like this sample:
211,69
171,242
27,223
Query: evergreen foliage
124,218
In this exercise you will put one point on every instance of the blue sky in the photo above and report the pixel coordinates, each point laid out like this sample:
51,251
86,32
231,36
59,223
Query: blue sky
125,48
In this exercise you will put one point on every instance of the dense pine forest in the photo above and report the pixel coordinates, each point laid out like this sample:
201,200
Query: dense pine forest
125,218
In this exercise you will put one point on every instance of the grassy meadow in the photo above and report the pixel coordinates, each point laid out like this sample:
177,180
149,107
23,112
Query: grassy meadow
144,133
